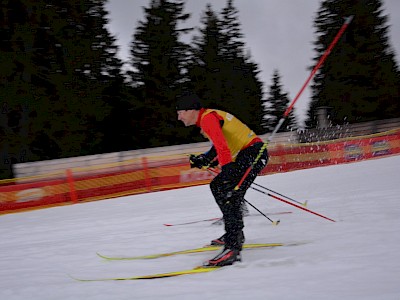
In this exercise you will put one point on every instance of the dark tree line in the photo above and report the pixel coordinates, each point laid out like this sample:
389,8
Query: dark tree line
64,91
60,79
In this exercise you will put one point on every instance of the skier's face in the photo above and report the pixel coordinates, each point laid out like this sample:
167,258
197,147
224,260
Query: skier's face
188,117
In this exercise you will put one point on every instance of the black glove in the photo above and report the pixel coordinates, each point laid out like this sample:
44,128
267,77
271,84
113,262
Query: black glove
198,161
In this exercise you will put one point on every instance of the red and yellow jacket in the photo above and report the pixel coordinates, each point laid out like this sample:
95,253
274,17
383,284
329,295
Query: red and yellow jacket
229,138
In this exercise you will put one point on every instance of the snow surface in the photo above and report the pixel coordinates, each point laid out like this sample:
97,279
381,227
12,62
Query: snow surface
358,257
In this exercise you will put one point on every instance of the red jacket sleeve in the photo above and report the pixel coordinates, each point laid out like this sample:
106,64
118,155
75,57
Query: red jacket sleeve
210,124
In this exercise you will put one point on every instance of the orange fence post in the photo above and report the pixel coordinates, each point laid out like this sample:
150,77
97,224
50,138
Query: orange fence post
282,156
147,179
72,190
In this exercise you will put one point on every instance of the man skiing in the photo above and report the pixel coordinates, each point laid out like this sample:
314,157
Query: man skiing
236,148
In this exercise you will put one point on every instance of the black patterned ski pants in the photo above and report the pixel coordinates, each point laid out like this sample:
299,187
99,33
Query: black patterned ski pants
230,201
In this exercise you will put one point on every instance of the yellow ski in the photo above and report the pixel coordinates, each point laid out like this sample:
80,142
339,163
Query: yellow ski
196,270
195,250
154,276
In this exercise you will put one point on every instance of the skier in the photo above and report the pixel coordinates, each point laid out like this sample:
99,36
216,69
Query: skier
235,148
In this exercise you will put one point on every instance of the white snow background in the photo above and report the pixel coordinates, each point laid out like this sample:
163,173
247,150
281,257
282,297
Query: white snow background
358,257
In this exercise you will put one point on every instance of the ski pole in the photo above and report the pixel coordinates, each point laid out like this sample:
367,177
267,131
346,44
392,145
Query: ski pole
192,222
318,65
273,222
287,197
262,149
293,204
280,199
291,199
290,107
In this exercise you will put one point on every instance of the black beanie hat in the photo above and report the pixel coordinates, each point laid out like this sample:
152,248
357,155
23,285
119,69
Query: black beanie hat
188,101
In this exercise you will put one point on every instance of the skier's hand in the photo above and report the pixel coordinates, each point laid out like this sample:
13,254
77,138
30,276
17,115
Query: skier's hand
198,161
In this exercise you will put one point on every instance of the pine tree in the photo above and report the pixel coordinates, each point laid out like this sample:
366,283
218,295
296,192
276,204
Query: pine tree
253,95
158,59
232,37
223,75
360,79
242,89
20,78
116,128
205,70
277,102
82,76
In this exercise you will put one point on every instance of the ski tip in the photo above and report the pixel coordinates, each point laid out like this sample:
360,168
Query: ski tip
167,224
305,203
77,279
102,256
